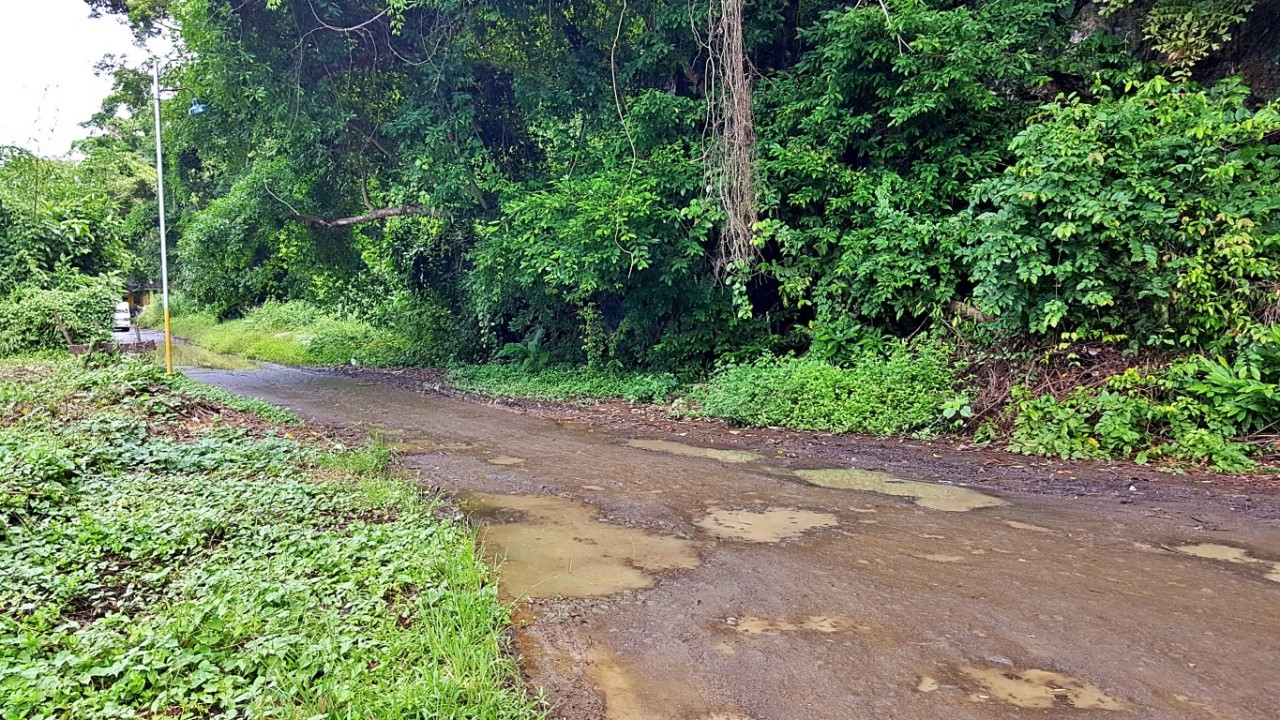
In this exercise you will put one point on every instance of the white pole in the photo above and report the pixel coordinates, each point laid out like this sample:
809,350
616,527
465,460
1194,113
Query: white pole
164,250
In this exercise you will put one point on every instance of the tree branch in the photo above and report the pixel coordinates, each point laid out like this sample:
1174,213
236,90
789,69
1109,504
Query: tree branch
372,216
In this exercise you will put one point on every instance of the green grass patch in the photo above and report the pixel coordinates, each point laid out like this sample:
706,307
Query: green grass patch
563,383
903,391
155,562
293,333
188,355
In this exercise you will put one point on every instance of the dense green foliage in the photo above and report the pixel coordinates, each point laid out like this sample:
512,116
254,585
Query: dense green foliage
62,250
34,318
165,553
539,185
1191,412
1155,214
55,222
545,170
905,391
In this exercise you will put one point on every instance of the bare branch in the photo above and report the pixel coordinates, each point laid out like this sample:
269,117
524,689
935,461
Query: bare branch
327,223
372,216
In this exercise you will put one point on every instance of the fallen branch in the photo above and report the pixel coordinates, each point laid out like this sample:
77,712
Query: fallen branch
373,216
330,223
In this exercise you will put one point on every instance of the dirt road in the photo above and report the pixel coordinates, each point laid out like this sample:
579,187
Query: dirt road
667,581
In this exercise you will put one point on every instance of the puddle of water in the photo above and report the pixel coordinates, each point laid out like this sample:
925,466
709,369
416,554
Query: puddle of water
622,698
1041,689
814,623
506,460
766,526
947,498
628,697
412,446
675,448
1026,526
1206,708
559,549
1231,554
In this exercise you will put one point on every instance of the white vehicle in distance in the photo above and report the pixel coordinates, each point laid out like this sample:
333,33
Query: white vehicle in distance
121,319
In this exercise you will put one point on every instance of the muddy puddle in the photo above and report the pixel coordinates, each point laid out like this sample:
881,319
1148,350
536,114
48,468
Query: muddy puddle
826,624
763,526
947,498
1038,689
1026,526
416,446
1233,555
675,448
554,547
506,460
628,697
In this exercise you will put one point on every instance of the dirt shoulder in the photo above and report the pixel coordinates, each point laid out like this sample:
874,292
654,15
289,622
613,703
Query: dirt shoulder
945,459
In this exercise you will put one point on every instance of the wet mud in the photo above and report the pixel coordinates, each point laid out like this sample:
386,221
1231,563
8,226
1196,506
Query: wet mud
947,498
555,547
763,526
1233,555
675,448
681,586
1038,689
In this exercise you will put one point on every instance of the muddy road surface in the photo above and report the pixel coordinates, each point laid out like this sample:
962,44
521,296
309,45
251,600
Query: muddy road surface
660,579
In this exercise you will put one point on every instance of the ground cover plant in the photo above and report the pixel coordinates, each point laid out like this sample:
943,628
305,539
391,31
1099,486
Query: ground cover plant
563,383
167,550
902,391
294,333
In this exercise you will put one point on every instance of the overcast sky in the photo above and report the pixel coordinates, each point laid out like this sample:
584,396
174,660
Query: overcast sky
47,86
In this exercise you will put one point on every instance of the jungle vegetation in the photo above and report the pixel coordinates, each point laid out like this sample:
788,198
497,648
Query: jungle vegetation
1049,222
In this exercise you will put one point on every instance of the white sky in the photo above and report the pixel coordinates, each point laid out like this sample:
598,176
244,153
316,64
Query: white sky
47,86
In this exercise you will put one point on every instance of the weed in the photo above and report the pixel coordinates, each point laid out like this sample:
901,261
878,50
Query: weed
901,392
154,567
564,383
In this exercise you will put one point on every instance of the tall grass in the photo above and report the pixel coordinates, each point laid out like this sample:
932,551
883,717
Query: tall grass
293,333
563,383
903,391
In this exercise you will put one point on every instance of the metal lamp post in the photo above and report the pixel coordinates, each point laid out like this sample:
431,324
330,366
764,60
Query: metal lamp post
164,244
197,108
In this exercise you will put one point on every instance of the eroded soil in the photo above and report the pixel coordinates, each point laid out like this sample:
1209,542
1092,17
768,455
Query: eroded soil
668,583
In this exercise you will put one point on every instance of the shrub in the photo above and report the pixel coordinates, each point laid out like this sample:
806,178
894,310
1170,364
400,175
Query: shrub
903,391
30,315
1195,411
1151,214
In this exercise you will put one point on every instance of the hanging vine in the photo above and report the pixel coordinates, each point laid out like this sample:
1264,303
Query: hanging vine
734,169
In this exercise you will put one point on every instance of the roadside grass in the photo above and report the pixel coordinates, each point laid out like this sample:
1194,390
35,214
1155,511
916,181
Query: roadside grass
189,355
288,334
563,383
899,392
164,553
